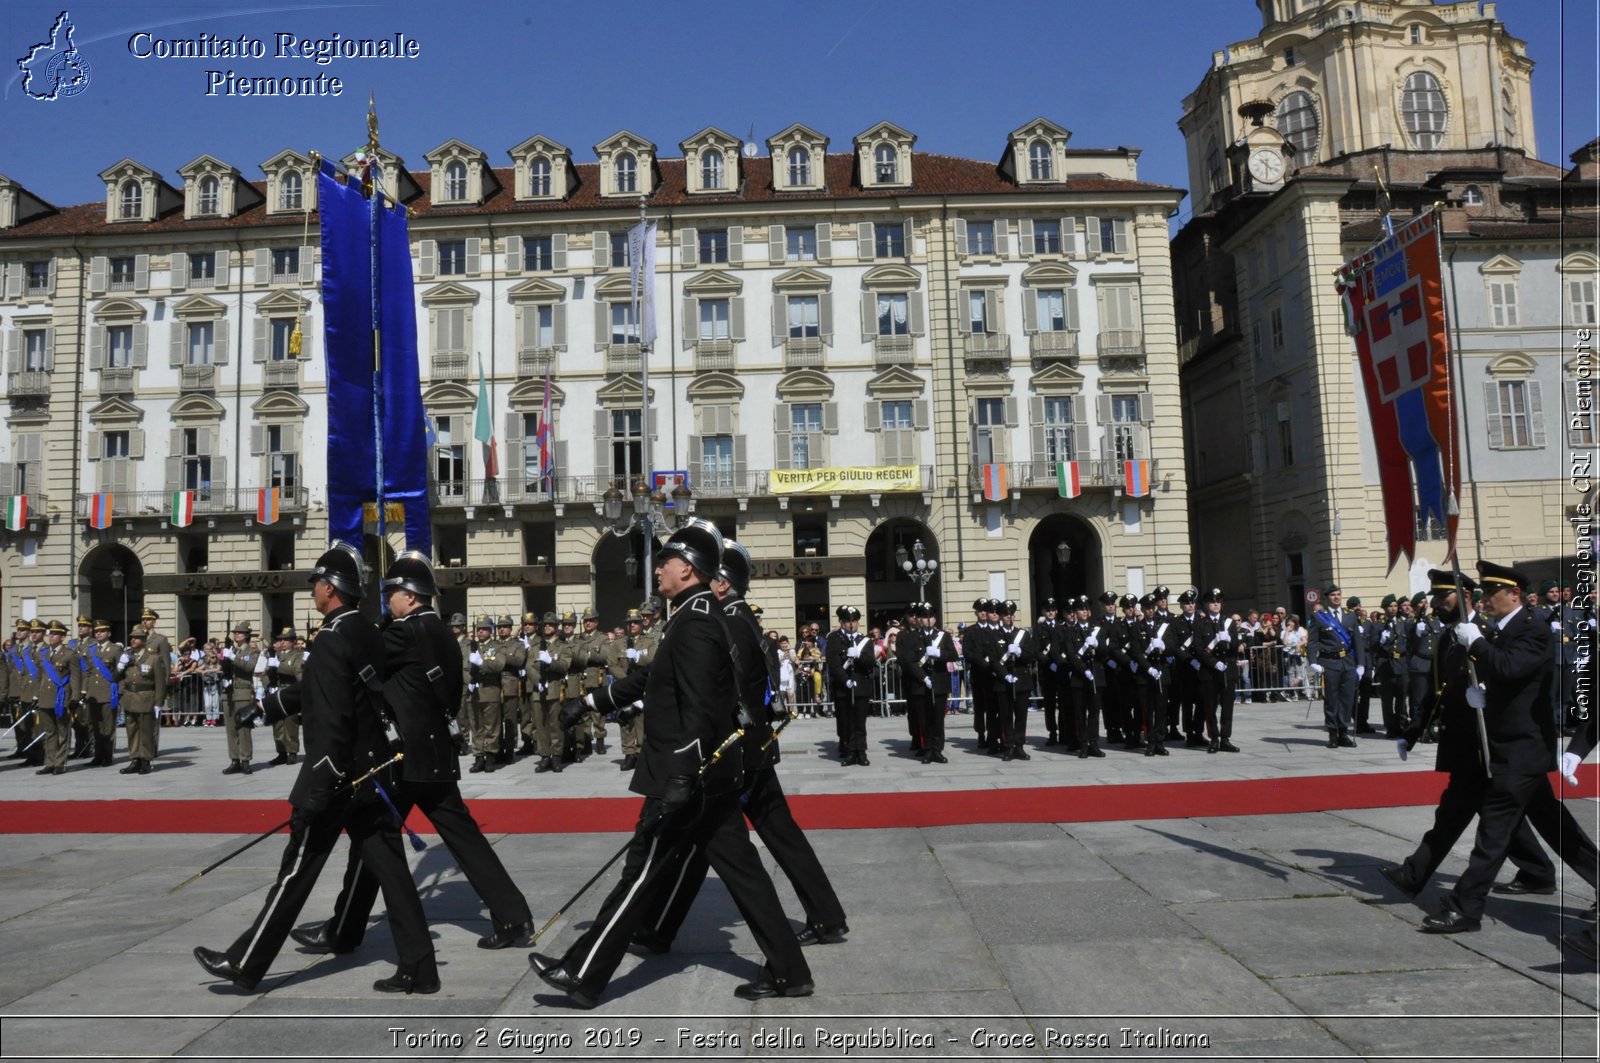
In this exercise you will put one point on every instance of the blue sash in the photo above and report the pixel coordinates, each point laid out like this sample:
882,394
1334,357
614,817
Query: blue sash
105,672
60,682
1338,629
33,666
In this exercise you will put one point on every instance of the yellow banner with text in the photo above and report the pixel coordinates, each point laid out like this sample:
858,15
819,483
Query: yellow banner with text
855,479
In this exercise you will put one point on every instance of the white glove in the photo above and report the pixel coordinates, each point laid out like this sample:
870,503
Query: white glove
1089,676
522,673
159,710
1223,636
1155,673
227,654
1011,679
1222,666
1386,636
1194,664
850,683
588,699
927,681
474,657
122,662
854,651
1013,651
472,686
1467,634
1400,745
1092,641
1569,767
545,658
1555,626
631,654
306,658
272,662
1422,628
1361,670
1317,668
1054,667
1156,646
1133,666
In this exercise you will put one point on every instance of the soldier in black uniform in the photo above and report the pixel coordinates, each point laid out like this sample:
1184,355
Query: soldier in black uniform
1124,676
1389,653
1052,684
973,648
852,662
1424,643
915,683
1185,673
1082,730
938,657
340,697
692,708
1154,677
1013,651
422,687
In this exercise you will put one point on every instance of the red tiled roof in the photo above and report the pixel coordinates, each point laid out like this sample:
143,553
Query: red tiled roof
933,175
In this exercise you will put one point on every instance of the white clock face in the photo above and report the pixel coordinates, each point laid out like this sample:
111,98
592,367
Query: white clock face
1266,166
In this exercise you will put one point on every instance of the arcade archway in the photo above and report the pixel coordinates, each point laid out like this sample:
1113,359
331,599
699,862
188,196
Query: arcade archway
889,589
619,576
111,588
1063,559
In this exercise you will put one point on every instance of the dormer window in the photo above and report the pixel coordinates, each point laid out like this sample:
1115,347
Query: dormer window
210,197
1288,57
799,166
455,181
1039,161
627,172
1416,34
885,164
711,168
1471,197
291,190
132,200
539,177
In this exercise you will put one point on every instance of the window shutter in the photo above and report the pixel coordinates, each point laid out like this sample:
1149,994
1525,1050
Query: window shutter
136,444
474,256
910,230
1002,237
180,271
50,279
560,459
515,256
920,415
1141,442
263,266
689,247
1491,406
602,249
97,445
7,479
1072,310
12,276
602,323
694,462
97,346
650,422
691,320
224,269
874,415
830,417
961,238
869,316
141,273
99,266
558,251
219,341
780,322
175,443
514,429
291,438
782,450
1069,236
1080,442
14,351
1025,238
741,464
174,474
427,257
258,439
1011,411
1102,409
1147,407
1535,414
1036,426
825,317
558,325
176,331
865,247
219,475
736,245
1079,247
141,346
1119,235
775,244
516,465
308,263
736,319
1091,232
602,451
527,332
964,311
1030,311
991,309
918,322
262,344
824,240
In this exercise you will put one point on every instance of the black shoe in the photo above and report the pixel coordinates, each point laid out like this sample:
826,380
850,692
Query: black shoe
232,768
925,758
1215,746
506,935
939,758
245,768
1096,751
558,766
218,965
861,758
823,935
1582,942
1346,742
545,764
281,758
1005,754
1400,880
1150,750
1333,741
1449,921
766,986
144,767
1021,753
1050,739
50,771
1228,747
478,764
629,761
1364,730
1193,741
1083,752
556,977
1161,751
401,982
315,938
1522,885
131,769
652,942
291,759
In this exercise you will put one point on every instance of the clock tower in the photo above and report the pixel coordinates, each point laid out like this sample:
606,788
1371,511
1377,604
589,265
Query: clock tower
1261,158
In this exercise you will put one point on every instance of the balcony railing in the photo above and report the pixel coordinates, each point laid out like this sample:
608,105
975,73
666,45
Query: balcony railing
197,378
30,384
988,348
803,353
448,494
449,365
1053,346
117,381
1034,475
893,350
713,354
535,361
623,358
1121,343
215,501
281,374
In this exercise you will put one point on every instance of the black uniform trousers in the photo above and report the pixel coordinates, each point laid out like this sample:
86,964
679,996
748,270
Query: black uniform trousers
1419,686
1392,694
311,839
1011,709
1463,796
441,802
768,812
1511,803
1155,712
978,688
1050,693
850,709
655,859
1086,712
1364,690
1338,694
917,711
933,722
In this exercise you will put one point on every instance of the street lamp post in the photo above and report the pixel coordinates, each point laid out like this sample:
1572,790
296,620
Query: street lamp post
119,582
648,512
917,568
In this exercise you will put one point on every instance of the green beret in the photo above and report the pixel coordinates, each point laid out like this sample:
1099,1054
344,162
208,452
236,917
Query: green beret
1388,600
1353,602
1332,588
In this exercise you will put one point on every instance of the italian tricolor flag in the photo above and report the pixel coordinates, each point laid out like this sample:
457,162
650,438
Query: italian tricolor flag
182,509
16,512
1068,482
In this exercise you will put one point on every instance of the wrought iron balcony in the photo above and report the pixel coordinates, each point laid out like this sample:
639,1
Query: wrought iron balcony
281,374
535,361
208,501
1041,475
117,381
504,491
449,365
1121,343
1053,347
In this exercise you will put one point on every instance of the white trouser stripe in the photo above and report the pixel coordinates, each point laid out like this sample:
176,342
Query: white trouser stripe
649,858
266,916
683,870
339,917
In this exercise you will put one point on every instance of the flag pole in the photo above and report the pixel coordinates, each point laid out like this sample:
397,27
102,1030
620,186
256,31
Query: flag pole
1453,323
644,396
376,205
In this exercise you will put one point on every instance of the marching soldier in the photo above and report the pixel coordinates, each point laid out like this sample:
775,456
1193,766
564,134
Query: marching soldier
15,674
628,655
1166,618
1012,654
61,687
978,678
1366,635
939,659
1124,652
547,663
1078,663
1185,673
1424,644
852,663
142,677
1338,656
37,694
239,709
281,671
526,729
486,662
590,646
102,694
512,678
1103,640
915,683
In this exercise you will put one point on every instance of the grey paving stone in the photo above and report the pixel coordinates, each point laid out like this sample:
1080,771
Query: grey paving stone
1057,859
1089,911
1213,873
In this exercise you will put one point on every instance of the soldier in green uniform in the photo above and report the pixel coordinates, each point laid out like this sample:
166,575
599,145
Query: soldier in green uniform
82,733
486,663
512,678
279,671
101,693
530,674
546,654
142,675
628,655
465,719
238,698
591,646
61,683
22,681
575,737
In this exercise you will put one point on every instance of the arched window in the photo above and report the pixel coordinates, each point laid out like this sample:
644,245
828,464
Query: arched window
1214,166
799,166
1039,161
132,200
291,190
886,163
1416,34
1508,114
1422,105
711,168
1471,197
210,198
627,171
1297,121
539,177
455,180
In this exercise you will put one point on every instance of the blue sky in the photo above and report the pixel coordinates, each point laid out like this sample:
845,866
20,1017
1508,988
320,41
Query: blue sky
492,73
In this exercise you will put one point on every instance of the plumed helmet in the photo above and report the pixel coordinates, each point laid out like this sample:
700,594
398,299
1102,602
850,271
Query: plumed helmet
847,613
411,572
340,567
736,566
1162,593
697,542
1187,597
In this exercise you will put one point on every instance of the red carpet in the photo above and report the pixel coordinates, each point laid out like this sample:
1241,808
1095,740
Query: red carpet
1045,804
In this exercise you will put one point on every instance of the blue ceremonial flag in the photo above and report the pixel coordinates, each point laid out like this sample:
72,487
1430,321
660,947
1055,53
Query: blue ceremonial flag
374,420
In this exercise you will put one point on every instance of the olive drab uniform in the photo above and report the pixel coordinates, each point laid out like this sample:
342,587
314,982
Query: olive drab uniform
576,736
285,675
627,655
102,694
464,714
591,647
61,684
156,642
82,737
26,678
513,677
239,682
547,664
142,675
488,663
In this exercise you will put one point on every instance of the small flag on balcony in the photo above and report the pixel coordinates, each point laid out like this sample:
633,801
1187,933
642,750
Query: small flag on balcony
183,509
547,458
267,500
100,510
16,512
1136,478
994,483
483,428
1067,482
